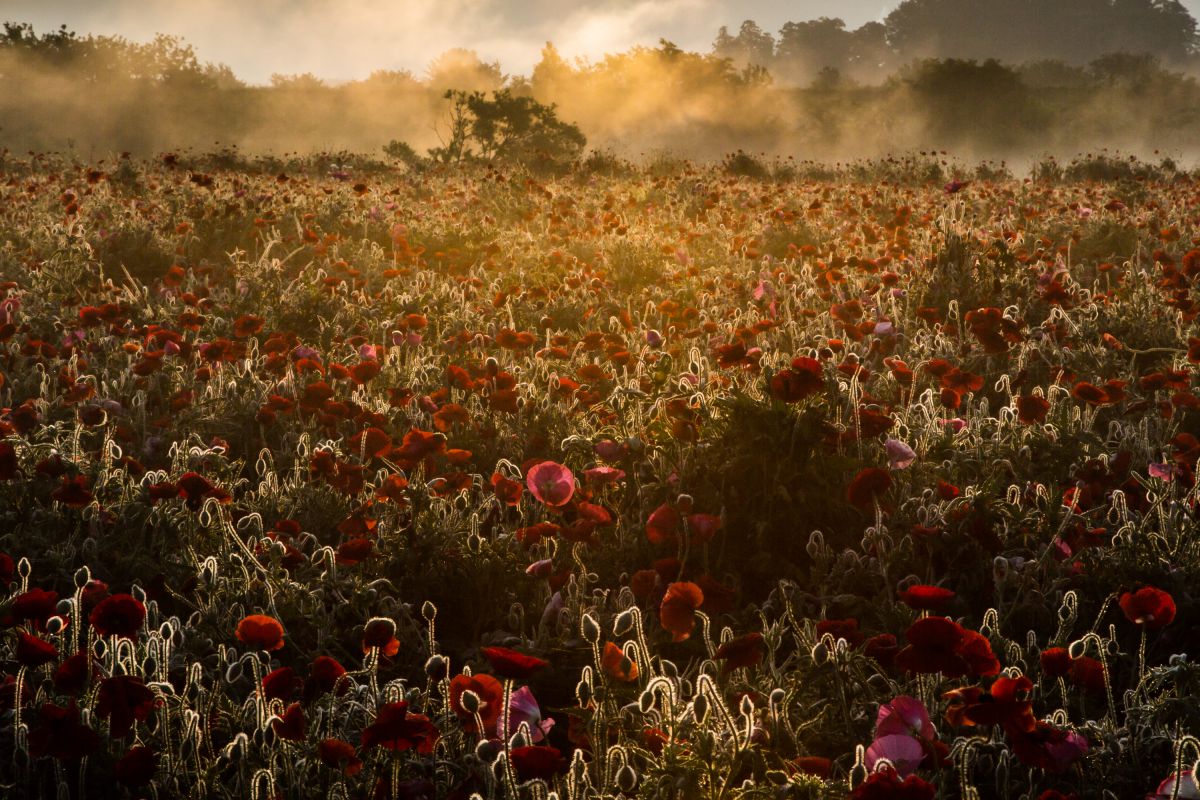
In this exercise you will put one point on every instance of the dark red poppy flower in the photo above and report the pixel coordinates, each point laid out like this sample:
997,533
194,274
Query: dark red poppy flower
36,606
938,644
886,784
537,762
1055,661
118,615
195,489
1090,393
59,733
1148,606
489,696
744,651
9,465
841,629
677,612
73,674
803,379
121,700
280,684
883,648
1047,747
260,632
396,729
291,724
73,492
927,598
868,486
512,665
137,767
1088,674
33,652
325,676
339,755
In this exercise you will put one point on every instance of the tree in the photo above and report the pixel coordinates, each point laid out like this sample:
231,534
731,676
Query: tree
508,129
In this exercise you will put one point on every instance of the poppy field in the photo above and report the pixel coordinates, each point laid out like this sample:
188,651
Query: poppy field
327,478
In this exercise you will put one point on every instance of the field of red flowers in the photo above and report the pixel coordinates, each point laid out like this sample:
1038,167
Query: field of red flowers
871,481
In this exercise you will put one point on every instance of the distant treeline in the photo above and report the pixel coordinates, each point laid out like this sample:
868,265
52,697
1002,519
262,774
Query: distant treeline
832,98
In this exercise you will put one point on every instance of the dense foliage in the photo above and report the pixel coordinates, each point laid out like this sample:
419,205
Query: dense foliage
739,481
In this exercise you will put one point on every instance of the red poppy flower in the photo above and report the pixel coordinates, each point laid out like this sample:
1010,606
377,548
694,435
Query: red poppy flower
137,767
617,665
489,693
121,700
291,724
663,524
118,615
507,491
927,598
938,644
551,483
36,606
868,485
396,729
803,379
513,665
537,762
1148,606
260,632
744,651
339,755
677,612
33,652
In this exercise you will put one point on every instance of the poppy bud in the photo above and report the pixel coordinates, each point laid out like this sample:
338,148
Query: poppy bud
590,628
778,696
518,740
436,667
626,779
684,503
55,625
624,621
583,692
470,701
700,709
487,750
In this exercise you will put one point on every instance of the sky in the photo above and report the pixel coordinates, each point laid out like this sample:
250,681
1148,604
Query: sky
348,39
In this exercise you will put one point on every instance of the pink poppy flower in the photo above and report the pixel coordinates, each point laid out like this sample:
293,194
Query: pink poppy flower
604,475
523,707
905,753
551,483
900,455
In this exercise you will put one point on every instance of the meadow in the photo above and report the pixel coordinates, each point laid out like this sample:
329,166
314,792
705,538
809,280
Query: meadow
324,477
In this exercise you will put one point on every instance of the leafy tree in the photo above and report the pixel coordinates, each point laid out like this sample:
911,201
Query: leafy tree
506,128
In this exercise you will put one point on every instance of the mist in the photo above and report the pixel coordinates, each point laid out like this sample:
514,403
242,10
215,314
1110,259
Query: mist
820,90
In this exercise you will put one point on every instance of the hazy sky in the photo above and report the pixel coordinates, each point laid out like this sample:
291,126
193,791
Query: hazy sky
345,39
